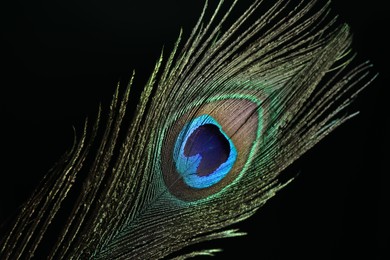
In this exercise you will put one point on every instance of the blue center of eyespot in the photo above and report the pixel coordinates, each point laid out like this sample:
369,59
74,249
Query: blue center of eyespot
203,153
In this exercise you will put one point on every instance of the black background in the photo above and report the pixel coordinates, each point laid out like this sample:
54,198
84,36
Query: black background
60,59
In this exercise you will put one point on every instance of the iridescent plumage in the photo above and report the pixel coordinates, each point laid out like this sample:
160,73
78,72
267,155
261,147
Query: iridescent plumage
256,93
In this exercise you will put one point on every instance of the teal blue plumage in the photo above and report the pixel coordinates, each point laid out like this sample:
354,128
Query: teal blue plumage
220,118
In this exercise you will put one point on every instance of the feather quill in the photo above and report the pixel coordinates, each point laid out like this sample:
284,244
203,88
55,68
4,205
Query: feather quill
274,82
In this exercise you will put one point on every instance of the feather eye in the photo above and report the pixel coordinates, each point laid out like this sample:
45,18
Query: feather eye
216,124
210,147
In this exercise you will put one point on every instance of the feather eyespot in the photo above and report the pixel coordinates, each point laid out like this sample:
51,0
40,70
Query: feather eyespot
207,148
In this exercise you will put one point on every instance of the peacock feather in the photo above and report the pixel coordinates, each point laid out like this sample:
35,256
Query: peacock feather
221,116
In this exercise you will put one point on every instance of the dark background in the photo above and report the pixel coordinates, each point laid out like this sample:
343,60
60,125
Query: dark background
60,59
